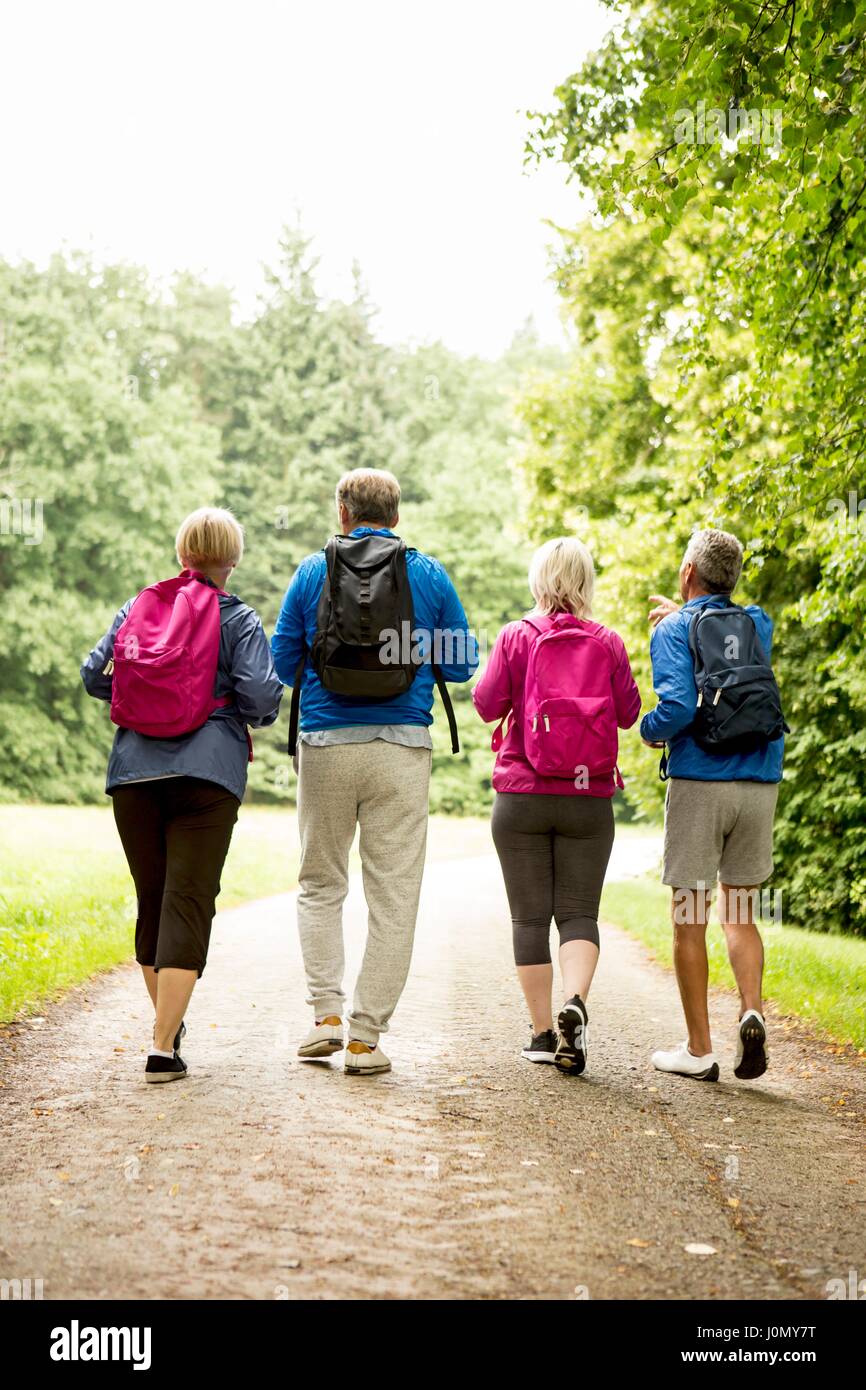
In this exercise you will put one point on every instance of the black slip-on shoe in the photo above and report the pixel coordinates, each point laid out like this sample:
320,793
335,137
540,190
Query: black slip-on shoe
179,1036
165,1068
573,1037
542,1047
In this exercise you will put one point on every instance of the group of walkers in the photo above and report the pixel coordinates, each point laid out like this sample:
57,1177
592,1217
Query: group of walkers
367,629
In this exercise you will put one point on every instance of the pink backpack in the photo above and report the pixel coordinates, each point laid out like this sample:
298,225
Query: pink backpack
569,716
165,658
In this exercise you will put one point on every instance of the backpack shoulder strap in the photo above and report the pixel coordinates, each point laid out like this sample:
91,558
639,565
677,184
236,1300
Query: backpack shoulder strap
295,711
447,706
330,551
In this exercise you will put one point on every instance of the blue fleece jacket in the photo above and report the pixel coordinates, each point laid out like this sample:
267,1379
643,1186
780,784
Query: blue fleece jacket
677,691
438,611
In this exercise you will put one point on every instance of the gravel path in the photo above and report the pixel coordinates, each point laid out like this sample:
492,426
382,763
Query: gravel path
465,1173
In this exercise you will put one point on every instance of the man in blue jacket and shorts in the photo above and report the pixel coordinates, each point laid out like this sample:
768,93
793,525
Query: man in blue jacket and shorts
719,813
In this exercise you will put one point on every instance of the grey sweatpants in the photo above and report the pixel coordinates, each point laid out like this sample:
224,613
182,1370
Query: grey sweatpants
383,787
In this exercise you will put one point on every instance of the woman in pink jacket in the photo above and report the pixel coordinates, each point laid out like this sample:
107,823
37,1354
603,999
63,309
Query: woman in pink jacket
561,685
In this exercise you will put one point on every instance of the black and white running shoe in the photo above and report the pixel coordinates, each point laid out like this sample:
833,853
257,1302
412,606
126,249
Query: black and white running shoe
752,1056
542,1047
573,1036
158,1068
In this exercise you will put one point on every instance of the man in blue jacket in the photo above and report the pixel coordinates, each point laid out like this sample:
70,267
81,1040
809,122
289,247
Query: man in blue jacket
368,765
719,813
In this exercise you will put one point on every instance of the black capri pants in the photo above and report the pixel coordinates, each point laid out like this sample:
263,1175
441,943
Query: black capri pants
175,832
554,852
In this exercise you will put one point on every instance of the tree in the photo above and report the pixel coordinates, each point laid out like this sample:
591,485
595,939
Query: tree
728,253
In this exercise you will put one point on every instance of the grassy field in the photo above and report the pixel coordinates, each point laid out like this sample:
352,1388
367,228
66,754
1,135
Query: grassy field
818,977
67,907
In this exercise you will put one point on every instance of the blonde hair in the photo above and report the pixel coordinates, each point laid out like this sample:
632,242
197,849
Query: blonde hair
369,494
210,538
562,577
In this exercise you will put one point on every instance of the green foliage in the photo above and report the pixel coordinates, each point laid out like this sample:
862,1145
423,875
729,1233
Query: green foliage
101,458
121,409
717,290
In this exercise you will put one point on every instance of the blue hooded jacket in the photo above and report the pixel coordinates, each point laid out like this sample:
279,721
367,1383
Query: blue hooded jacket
437,610
677,691
218,751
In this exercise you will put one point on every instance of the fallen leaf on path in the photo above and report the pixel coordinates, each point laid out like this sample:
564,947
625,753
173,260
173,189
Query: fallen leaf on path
640,1244
64,1177
733,1202
695,1248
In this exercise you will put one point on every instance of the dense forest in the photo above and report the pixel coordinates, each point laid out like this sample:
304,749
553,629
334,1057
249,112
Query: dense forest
717,287
122,407
716,294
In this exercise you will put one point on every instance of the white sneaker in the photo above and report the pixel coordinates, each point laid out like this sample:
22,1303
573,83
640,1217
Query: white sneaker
684,1063
364,1060
752,1055
323,1038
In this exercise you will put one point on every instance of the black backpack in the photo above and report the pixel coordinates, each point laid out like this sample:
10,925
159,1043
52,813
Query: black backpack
739,707
366,593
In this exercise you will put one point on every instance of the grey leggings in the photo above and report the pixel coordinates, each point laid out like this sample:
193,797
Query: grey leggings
554,852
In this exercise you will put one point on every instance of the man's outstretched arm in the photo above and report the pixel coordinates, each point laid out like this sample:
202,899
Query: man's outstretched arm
673,682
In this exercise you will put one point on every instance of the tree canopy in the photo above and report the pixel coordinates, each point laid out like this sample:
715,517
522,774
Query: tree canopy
716,286
122,408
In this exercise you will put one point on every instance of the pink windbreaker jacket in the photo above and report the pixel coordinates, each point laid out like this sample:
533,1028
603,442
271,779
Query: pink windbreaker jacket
500,690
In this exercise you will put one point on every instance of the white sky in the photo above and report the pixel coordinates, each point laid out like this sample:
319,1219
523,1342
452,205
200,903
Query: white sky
182,135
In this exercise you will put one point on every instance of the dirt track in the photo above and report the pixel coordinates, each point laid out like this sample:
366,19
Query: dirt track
465,1173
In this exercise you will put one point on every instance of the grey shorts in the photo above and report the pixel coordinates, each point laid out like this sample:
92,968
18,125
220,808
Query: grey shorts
718,830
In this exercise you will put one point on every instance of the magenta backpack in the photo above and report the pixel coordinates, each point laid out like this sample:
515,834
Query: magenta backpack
165,658
569,716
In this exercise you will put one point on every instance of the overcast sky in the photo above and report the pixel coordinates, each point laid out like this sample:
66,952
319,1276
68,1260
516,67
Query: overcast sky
183,134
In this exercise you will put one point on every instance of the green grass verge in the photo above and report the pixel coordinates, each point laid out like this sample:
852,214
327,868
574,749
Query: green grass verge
818,977
67,907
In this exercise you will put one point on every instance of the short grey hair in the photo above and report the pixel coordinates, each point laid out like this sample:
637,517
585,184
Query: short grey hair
718,558
369,494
